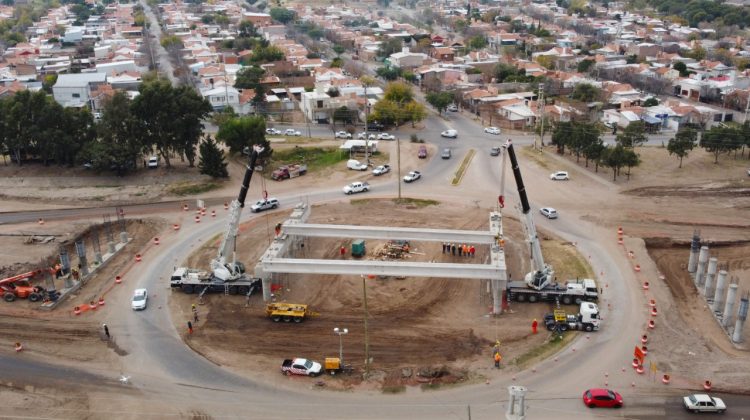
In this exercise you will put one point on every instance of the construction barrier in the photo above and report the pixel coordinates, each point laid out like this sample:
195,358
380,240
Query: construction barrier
203,212
619,231
92,305
644,349
636,363
101,301
651,324
637,268
707,385
176,226
645,283
226,206
653,311
639,370
619,241
19,347
185,207
652,303
644,339
213,213
137,257
77,310
41,221
156,241
118,280
197,219
665,379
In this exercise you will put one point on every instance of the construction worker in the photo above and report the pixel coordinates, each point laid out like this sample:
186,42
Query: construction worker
534,326
472,250
190,327
342,251
453,249
106,330
195,316
497,358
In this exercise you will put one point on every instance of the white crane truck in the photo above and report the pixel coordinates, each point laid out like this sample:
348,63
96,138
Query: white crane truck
227,275
539,285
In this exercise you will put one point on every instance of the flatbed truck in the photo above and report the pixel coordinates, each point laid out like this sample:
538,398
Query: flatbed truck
570,293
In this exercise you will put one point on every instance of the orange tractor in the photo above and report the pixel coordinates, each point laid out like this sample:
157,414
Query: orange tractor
19,287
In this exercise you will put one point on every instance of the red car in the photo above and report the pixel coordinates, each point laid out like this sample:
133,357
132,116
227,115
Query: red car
600,397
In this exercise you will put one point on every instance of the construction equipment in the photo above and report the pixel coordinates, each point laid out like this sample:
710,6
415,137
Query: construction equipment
288,312
288,172
19,287
358,248
538,285
586,320
227,274
334,366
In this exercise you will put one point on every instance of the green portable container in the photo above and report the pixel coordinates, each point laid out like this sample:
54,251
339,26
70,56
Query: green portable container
358,248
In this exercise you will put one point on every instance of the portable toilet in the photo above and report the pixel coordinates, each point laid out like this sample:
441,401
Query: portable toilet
358,248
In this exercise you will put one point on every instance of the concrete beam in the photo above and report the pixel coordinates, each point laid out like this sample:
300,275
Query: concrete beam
384,268
386,232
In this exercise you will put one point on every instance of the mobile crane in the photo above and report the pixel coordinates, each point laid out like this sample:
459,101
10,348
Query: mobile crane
538,284
227,274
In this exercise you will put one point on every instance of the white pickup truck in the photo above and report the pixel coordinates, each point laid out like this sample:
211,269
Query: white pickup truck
356,187
300,366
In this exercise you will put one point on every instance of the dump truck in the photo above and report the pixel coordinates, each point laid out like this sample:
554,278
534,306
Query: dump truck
289,171
288,312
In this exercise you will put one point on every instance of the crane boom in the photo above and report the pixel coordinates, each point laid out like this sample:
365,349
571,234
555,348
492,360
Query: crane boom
221,268
541,274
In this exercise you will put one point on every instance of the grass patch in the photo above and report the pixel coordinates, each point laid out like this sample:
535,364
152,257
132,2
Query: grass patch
315,158
544,350
416,202
192,188
568,263
462,168
534,155
431,387
394,389
361,201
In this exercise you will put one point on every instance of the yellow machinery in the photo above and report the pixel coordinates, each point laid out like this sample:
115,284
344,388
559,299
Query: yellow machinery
288,312
333,365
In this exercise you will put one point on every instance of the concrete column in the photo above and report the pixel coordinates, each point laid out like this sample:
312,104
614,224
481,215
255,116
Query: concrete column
721,286
695,246
111,247
729,306
701,271
124,237
98,257
68,282
266,282
741,317
516,403
710,276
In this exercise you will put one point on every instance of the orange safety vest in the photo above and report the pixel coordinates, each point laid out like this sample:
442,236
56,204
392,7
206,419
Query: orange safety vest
498,357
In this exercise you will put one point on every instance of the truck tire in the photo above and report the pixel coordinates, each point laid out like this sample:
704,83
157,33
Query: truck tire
187,289
533,298
332,372
243,290
567,300
9,297
35,297
298,319
365,190
233,290
276,318
578,301
551,327
274,206
287,319
564,327
588,328
348,193
288,373
521,297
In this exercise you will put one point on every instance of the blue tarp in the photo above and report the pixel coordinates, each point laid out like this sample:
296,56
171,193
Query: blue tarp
650,120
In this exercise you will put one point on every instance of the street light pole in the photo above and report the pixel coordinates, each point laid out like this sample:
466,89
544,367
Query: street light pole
341,332
398,165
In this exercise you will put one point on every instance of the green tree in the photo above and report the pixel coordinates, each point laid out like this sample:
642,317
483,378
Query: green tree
439,100
594,152
477,42
242,132
193,109
338,49
247,29
503,71
415,112
682,68
388,72
719,140
249,77
586,92
652,101
118,147
343,114
156,111
266,54
398,92
585,65
562,135
171,41
615,158
633,135
682,143
212,161
631,160
337,62
390,46
282,15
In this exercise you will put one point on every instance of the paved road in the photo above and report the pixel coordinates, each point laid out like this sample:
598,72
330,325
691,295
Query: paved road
161,57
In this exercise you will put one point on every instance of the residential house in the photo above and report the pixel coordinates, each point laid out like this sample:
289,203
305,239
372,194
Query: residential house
257,19
315,105
73,90
444,54
407,60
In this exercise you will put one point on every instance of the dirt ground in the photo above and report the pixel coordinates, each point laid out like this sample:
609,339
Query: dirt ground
416,324
440,326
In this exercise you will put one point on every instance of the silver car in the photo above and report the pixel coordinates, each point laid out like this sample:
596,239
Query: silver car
548,212
140,298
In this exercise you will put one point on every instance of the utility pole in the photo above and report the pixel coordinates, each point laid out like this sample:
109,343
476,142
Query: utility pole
367,340
398,165
367,115
540,107
747,107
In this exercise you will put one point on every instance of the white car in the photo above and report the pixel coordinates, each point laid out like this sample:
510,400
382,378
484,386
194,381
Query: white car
292,132
273,131
492,130
382,169
356,187
704,403
372,137
343,135
153,162
451,134
412,176
140,297
261,205
559,176
386,136
361,136
452,108
356,165
548,212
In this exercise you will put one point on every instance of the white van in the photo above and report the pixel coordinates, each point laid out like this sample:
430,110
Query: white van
356,165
